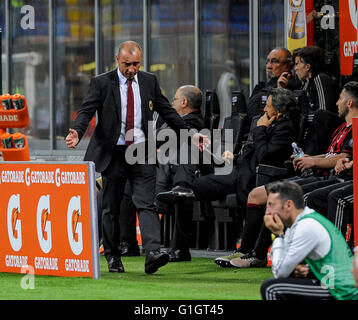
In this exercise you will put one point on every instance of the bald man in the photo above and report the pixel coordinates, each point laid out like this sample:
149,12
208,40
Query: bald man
125,100
278,61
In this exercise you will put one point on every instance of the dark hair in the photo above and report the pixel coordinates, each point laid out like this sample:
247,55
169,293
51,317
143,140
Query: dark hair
351,88
284,101
311,55
288,190
193,94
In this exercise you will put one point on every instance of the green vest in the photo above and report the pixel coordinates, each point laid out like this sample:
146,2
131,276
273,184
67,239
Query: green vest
334,270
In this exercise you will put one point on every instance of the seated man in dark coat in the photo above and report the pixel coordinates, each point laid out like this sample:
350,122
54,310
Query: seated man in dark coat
271,144
187,102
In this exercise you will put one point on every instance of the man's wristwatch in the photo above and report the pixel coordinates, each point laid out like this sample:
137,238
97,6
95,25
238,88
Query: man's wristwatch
274,236
280,235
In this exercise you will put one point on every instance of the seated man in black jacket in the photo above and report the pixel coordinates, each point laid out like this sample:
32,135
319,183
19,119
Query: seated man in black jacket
320,94
187,102
271,144
309,64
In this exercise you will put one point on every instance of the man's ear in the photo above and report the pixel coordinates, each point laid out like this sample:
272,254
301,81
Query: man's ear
185,102
289,204
350,103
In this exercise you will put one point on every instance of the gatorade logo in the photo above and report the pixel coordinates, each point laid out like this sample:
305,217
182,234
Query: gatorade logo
74,227
353,12
14,223
43,225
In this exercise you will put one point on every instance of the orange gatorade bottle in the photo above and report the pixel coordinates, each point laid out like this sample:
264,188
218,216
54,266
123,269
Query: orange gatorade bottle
6,101
6,140
18,140
18,101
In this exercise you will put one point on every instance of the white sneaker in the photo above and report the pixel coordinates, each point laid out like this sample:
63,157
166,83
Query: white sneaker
224,261
248,261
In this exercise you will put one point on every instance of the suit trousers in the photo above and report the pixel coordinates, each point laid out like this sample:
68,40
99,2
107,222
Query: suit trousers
183,212
127,218
141,178
208,186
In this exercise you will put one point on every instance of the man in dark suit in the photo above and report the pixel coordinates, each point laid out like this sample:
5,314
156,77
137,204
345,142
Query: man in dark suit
187,102
125,100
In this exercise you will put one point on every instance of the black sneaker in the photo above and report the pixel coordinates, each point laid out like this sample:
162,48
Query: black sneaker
179,255
129,250
115,264
154,260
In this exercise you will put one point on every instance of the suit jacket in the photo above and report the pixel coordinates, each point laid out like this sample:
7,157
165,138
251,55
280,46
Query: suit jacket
165,172
104,97
271,145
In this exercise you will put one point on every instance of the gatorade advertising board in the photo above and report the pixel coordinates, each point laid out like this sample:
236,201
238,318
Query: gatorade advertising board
49,219
347,34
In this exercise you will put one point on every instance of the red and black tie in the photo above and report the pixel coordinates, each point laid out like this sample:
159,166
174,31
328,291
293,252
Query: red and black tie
130,115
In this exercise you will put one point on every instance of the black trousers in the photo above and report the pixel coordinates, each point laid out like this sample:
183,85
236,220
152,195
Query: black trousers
128,218
142,182
294,289
207,186
182,233
335,202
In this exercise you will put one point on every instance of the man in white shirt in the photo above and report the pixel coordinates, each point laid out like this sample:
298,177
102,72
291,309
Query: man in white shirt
309,237
125,100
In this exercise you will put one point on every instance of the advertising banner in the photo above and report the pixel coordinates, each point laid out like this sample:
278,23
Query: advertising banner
297,28
347,34
49,219
310,24
355,175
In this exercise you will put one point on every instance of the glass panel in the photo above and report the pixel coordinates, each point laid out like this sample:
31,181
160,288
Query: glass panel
3,43
121,20
172,44
30,66
271,30
225,46
75,64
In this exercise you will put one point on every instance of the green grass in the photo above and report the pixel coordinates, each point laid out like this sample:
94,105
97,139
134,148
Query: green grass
200,279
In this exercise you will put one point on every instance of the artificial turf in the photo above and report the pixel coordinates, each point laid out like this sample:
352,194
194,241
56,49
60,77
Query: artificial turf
200,279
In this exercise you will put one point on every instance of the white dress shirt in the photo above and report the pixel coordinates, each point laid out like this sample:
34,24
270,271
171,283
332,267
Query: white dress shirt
139,135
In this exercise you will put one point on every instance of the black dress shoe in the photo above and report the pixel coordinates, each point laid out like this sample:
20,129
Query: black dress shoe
177,194
129,250
154,260
115,264
179,255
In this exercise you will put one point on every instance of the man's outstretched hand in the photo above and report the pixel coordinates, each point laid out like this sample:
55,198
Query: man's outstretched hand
201,141
72,139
